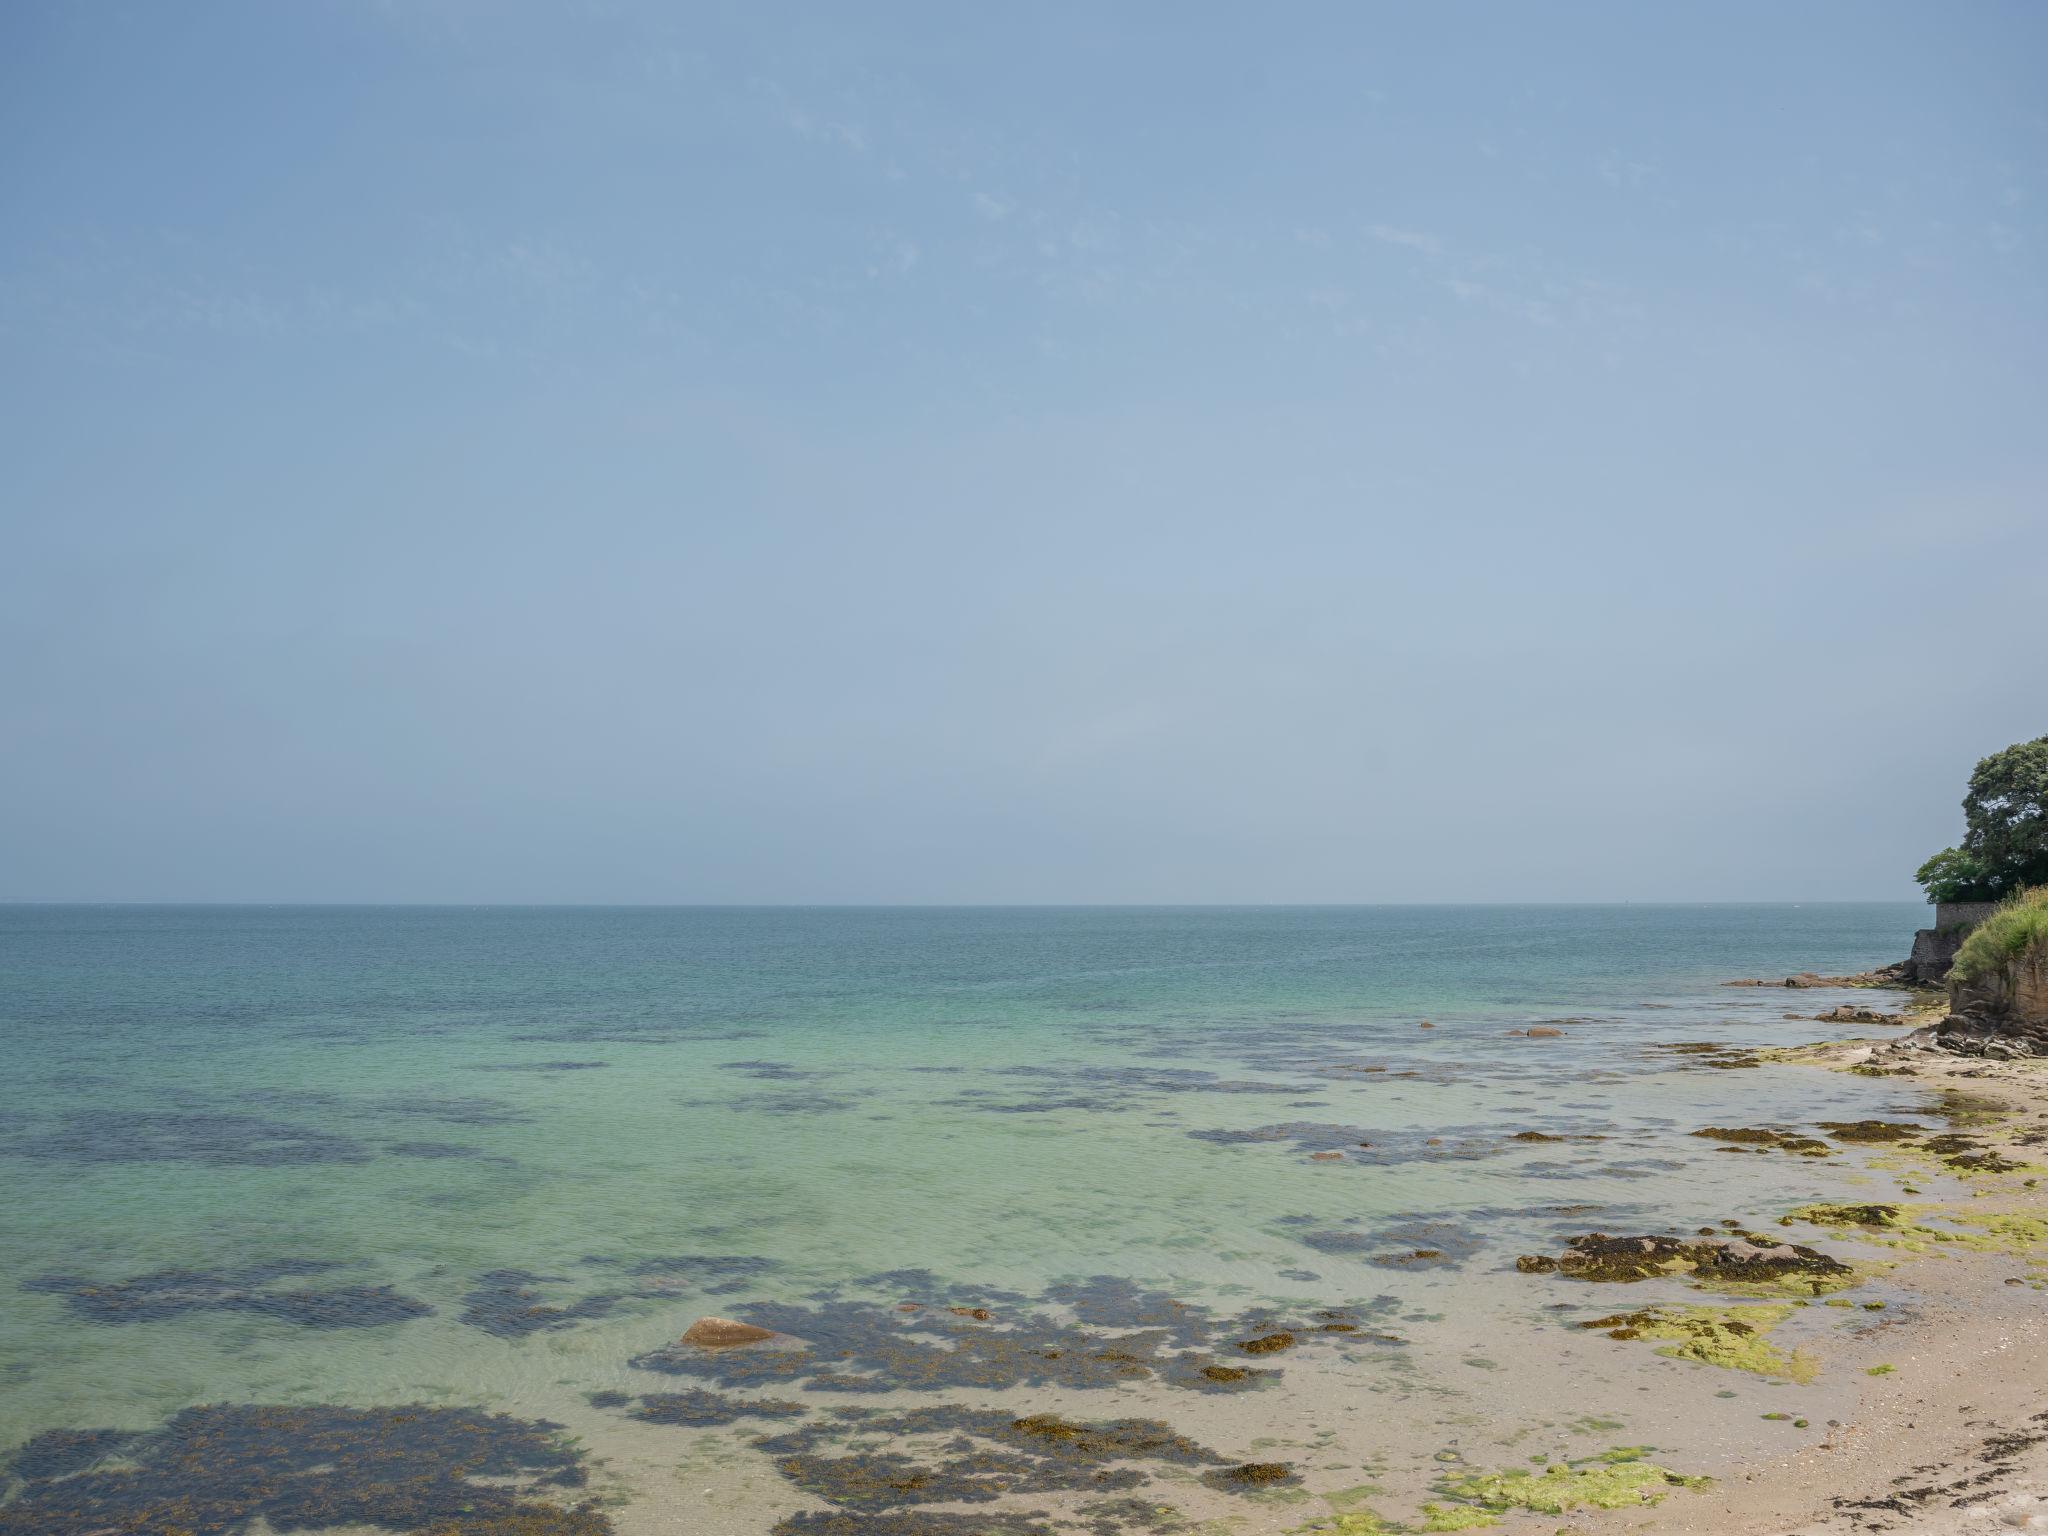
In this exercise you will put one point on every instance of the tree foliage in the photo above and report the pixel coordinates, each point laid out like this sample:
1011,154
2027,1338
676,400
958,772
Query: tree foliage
2005,837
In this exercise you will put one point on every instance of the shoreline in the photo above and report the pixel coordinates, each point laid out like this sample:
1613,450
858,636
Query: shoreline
1953,1440
1414,1403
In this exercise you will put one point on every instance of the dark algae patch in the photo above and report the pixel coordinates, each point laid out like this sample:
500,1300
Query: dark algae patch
698,1409
509,1304
60,1452
169,1293
1766,1141
950,1455
216,1140
1872,1130
225,1470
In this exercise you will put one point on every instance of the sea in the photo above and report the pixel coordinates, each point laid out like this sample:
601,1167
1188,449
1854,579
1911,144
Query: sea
973,1167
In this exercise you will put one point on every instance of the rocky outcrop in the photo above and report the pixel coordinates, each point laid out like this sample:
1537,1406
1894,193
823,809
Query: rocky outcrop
1884,976
1934,949
2001,1013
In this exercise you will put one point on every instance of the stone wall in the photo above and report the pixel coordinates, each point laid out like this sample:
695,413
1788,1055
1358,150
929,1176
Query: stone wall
1961,914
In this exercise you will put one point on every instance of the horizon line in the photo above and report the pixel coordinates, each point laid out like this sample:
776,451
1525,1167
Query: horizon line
953,906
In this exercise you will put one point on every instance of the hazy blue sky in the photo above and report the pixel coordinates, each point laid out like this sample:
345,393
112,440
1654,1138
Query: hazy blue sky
475,451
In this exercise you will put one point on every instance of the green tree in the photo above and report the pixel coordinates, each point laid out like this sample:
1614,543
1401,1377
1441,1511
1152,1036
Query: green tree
2005,837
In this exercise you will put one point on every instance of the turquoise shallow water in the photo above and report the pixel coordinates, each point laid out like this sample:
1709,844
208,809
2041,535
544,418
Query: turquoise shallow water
433,1122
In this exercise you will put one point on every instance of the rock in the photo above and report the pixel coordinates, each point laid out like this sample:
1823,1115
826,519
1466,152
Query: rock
1848,1013
1326,1157
1425,1024
1539,1032
723,1333
1596,1256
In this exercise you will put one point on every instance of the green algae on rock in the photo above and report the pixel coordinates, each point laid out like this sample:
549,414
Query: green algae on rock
1456,1517
1731,1337
1600,1483
1845,1215
2018,1234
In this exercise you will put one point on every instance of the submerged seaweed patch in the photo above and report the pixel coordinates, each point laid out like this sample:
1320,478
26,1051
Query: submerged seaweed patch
224,1468
1364,1145
1113,1331
508,1304
700,1409
168,1293
156,1136
973,1456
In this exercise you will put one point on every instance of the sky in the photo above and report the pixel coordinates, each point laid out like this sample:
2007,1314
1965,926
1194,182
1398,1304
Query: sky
1093,452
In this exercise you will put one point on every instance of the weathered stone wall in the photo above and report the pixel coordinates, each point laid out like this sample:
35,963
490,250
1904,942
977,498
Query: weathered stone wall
1961,914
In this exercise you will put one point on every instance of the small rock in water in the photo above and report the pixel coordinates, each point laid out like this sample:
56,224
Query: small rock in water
1425,1024
1326,1157
723,1333
1539,1032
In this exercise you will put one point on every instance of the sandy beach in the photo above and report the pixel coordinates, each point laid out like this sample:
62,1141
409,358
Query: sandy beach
1954,1438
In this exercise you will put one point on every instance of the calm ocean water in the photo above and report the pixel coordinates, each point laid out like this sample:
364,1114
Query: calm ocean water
490,1156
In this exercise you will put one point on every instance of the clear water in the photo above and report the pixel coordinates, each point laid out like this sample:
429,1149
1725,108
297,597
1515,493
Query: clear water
1004,1098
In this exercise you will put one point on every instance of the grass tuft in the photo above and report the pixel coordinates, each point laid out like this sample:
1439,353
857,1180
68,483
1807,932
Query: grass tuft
2019,924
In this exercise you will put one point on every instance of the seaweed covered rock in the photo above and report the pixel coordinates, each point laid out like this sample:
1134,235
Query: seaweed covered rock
1731,1260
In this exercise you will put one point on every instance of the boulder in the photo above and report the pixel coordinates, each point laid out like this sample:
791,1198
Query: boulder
723,1333
1542,1032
